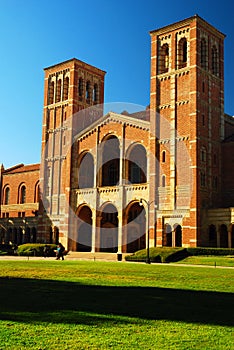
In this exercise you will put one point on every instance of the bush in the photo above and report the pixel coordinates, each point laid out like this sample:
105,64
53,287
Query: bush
7,249
35,249
159,255
210,251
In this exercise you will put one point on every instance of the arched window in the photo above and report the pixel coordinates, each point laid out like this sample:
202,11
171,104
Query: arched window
7,195
80,87
65,88
95,93
164,59
58,90
137,165
87,92
86,171
36,193
23,194
51,92
203,54
110,161
182,53
214,64
203,154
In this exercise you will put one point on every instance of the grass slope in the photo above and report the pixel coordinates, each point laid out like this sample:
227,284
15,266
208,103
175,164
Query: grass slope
96,305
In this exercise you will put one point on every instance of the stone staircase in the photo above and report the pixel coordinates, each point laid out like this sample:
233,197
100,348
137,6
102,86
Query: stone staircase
95,256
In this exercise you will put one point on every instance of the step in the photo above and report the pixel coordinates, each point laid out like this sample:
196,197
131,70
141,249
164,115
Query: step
94,256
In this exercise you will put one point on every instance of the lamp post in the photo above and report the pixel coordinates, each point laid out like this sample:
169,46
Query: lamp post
148,233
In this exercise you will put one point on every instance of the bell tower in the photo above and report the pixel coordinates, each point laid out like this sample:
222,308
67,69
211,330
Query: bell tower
70,87
187,127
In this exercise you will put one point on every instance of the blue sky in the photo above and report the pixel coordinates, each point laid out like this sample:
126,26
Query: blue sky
112,35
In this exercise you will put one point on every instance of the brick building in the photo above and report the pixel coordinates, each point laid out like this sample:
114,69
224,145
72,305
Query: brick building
122,181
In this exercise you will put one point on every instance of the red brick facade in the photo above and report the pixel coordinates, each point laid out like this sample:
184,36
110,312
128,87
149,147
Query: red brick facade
107,181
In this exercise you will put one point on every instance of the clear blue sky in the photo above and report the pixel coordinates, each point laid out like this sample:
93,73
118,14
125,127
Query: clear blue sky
112,35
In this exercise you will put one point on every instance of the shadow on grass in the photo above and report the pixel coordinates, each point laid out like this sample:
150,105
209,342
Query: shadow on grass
32,300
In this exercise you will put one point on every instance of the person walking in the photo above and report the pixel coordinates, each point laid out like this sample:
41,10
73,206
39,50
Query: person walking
60,251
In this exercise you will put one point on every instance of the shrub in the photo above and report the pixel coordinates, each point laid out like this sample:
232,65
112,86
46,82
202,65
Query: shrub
7,249
160,254
35,249
210,251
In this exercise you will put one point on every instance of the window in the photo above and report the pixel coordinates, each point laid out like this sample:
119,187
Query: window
203,154
163,156
203,179
87,93
203,54
95,93
65,88
80,87
164,59
58,90
23,195
163,181
182,53
214,65
203,86
51,92
203,119
7,195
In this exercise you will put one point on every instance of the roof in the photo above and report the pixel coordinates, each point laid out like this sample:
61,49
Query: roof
185,22
75,60
20,168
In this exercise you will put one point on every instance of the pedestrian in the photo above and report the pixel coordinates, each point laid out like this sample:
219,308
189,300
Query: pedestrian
60,251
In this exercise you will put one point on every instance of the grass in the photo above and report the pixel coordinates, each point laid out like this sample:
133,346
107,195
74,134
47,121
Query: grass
209,260
97,305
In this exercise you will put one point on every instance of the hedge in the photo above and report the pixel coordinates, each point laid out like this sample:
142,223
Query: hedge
7,249
159,255
35,249
210,251
169,254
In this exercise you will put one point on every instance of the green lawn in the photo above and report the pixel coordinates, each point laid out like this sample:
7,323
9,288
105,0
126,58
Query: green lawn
97,305
209,260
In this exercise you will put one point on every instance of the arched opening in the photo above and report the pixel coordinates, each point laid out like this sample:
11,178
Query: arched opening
86,171
110,161
203,54
7,195
27,235
137,165
58,90
84,230
214,61
232,236
56,235
182,53
51,93
164,59
65,88
36,193
80,87
212,236
109,229
22,197
20,236
95,93
167,235
223,236
178,235
87,91
136,227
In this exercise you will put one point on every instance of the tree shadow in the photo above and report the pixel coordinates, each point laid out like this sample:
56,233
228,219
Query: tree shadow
37,300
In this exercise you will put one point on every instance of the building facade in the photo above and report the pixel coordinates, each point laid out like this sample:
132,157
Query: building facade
119,182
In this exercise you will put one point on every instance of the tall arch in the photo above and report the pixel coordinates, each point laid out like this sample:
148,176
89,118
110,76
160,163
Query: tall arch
178,235
51,93
164,59
223,236
204,53
212,233
167,235
136,164
182,53
86,171
65,88
84,229
214,60
110,161
58,90
6,195
136,227
22,194
109,229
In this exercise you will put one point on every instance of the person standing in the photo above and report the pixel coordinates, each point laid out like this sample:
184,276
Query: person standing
60,251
